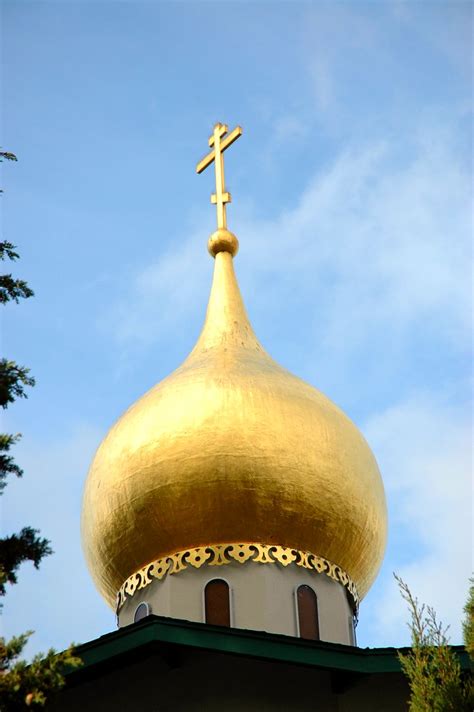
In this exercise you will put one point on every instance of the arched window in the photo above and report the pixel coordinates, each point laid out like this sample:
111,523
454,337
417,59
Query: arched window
142,611
307,613
352,630
217,603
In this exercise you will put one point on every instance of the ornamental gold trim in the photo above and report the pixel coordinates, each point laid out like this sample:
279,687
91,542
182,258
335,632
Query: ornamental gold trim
222,554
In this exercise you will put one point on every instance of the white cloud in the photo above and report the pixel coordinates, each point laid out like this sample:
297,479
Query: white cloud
400,10
288,127
163,294
449,29
424,449
378,241
323,84
335,34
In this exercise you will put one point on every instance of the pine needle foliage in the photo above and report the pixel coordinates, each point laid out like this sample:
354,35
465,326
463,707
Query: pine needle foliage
12,289
23,685
8,155
433,670
13,380
17,548
8,466
468,623
28,686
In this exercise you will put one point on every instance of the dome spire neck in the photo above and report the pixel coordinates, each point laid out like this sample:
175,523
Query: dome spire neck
227,325
222,240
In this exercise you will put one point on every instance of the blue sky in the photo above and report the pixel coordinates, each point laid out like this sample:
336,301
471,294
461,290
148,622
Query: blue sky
351,202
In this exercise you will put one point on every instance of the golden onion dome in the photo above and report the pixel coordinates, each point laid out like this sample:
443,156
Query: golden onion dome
231,447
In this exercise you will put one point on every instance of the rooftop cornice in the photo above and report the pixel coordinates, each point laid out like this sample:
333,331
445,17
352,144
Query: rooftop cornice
159,635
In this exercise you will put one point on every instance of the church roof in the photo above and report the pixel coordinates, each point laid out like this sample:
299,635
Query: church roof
166,637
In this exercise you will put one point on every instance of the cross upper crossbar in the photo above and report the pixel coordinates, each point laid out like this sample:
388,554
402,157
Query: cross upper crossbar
233,136
219,144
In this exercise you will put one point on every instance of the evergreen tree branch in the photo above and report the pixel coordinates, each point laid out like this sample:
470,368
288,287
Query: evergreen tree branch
13,379
17,548
7,251
12,290
468,623
7,464
8,156
432,669
24,685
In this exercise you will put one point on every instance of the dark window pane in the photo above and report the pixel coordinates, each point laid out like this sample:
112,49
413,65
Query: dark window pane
308,613
217,604
143,610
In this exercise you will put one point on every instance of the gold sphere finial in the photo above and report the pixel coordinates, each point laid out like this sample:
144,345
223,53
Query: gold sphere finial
222,240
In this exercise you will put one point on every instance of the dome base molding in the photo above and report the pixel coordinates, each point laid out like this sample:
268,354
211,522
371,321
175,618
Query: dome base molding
243,553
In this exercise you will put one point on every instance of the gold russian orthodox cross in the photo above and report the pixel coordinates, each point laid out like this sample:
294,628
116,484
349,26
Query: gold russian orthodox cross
219,142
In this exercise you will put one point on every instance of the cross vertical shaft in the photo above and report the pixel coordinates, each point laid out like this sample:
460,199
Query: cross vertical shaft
220,180
219,142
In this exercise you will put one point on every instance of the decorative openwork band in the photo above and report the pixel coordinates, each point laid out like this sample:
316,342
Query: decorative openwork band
221,554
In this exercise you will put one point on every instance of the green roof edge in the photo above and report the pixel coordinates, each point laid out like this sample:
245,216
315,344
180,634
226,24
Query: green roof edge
155,632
